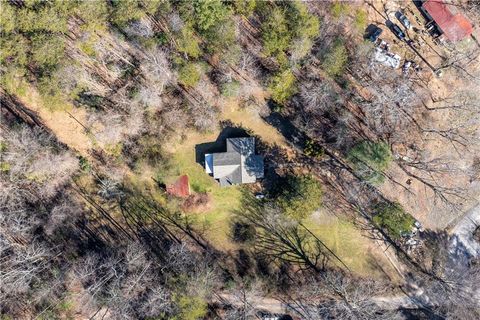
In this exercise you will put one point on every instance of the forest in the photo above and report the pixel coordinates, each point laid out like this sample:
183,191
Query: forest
369,204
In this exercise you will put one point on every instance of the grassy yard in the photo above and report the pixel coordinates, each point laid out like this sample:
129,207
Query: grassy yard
249,118
64,120
341,236
223,200
358,252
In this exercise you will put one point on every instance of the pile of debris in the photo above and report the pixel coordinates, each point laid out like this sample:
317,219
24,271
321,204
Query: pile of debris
384,56
410,64
412,239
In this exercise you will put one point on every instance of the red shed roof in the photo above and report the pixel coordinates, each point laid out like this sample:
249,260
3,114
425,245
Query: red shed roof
180,188
453,24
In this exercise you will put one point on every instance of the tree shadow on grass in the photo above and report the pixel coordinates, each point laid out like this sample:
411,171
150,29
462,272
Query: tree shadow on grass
287,129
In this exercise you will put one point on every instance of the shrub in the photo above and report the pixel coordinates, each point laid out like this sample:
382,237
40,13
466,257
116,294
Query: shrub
46,19
335,59
84,164
7,18
212,19
94,13
3,146
151,6
209,13
369,160
244,7
361,20
243,232
301,23
232,54
125,11
313,149
14,50
300,48
188,42
221,36
339,9
13,81
230,89
301,196
47,51
286,27
189,74
4,167
50,91
199,187
190,307
88,47
114,149
282,86
392,218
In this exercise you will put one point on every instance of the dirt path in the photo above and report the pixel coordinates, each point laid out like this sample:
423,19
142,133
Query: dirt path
275,306
65,125
271,305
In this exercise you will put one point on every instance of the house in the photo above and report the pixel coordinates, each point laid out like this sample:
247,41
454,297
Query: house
180,187
448,20
239,164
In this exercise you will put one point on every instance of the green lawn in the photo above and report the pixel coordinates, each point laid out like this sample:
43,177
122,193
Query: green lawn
347,242
224,200
341,236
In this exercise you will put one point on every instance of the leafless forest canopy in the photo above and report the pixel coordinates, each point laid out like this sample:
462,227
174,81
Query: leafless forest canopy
95,95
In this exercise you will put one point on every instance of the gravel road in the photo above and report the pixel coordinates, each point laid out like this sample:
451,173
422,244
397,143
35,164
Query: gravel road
462,233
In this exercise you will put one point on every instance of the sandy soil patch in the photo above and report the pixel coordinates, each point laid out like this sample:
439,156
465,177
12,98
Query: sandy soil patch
65,124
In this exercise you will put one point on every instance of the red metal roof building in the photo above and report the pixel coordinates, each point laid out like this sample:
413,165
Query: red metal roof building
180,188
453,24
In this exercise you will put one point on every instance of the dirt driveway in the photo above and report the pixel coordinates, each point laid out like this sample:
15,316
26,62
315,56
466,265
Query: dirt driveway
463,234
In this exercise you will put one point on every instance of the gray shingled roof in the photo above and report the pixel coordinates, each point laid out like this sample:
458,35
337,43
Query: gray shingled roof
239,164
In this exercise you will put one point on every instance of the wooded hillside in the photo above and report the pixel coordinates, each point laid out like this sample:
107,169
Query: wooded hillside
369,170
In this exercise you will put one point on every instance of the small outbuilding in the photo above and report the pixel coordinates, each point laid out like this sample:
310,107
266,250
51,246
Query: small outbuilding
179,188
450,22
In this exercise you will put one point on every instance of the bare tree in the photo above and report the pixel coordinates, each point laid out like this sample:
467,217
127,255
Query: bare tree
244,298
37,166
204,116
175,21
285,239
157,69
150,96
338,296
140,28
123,282
65,209
449,288
318,96
157,302
20,266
